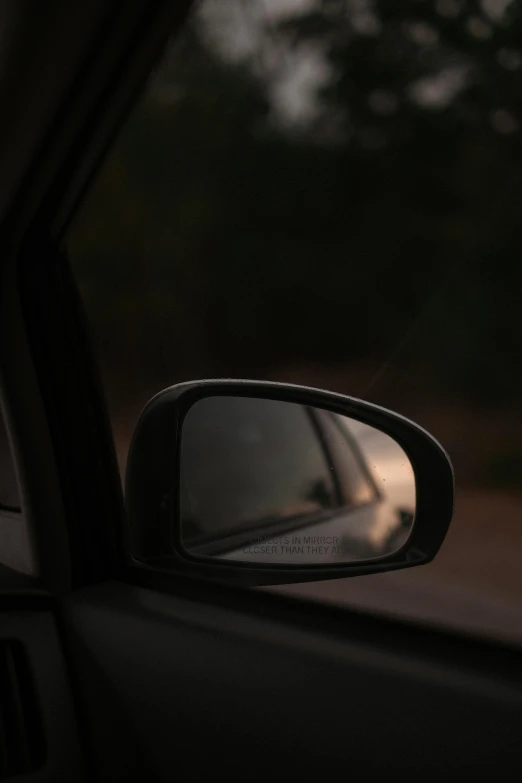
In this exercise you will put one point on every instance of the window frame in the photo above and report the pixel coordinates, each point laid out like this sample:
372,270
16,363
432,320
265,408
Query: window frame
65,453
359,458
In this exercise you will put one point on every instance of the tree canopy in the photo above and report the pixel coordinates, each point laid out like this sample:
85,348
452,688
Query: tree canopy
339,181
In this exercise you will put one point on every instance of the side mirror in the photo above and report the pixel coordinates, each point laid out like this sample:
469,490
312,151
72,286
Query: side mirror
258,483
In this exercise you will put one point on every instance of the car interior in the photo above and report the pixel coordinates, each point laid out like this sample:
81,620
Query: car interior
124,655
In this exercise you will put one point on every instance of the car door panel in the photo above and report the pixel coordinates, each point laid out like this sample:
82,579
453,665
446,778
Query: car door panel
254,683
49,709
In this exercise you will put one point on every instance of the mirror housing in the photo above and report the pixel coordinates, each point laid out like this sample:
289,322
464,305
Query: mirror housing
153,486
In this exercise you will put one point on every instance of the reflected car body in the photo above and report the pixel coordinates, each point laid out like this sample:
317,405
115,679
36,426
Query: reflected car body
284,483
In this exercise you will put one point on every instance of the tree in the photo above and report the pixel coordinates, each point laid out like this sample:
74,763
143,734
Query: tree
231,232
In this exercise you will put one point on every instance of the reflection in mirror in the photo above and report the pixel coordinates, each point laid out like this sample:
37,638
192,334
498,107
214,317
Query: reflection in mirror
275,482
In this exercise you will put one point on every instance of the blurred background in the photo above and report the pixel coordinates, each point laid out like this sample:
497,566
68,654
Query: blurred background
329,192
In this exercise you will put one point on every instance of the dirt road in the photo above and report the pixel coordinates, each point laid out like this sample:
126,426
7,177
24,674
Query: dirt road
474,584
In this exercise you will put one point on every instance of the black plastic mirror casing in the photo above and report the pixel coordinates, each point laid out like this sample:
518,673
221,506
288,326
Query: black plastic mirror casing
152,485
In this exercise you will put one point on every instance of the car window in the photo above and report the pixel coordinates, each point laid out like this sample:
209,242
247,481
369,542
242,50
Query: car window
263,463
329,193
9,492
16,550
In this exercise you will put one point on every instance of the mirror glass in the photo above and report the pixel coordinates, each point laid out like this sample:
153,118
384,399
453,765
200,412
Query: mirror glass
267,481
